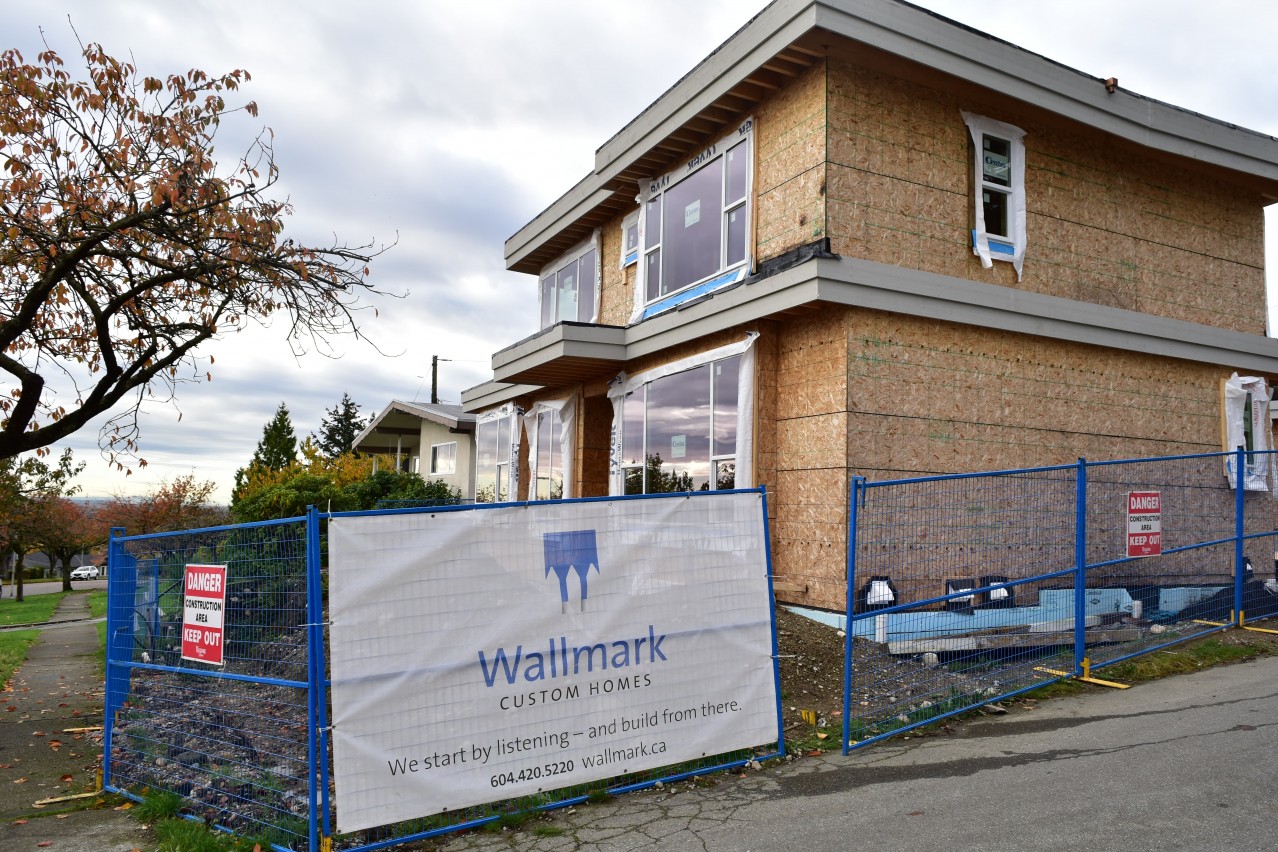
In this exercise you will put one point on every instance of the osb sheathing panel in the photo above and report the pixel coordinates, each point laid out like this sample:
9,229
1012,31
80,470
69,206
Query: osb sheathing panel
929,396
812,365
596,437
790,160
617,285
1107,221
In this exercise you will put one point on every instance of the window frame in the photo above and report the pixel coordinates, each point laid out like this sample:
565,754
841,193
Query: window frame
548,315
658,190
630,253
434,459
625,387
986,244
505,465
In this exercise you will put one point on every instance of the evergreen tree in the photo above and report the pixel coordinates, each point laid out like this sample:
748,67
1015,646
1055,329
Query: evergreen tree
339,427
278,447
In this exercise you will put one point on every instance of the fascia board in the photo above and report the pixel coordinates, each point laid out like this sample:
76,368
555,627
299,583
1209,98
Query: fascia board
891,288
490,394
570,207
562,341
964,53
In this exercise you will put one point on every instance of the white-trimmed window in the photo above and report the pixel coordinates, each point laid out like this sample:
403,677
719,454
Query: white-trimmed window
496,439
551,430
570,286
685,426
999,190
630,240
695,227
443,459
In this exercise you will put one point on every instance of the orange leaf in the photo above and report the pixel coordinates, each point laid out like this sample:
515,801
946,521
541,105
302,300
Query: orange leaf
67,777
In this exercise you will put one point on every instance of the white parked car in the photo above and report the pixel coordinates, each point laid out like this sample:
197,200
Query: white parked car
85,572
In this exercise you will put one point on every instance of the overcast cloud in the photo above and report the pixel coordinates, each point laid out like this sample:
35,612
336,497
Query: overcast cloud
444,127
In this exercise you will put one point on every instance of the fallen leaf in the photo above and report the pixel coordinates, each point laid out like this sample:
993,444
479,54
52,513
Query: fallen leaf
37,733
22,780
44,843
124,807
67,777
915,813
55,744
19,822
63,816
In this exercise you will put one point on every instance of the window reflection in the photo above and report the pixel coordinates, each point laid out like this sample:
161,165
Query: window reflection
679,431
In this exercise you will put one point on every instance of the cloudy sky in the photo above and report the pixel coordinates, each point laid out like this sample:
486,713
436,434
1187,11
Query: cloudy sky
446,126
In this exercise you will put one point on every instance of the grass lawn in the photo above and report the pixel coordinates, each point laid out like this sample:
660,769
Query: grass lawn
13,651
33,610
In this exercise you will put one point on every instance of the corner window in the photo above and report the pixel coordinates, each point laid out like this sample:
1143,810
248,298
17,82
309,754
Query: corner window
685,426
695,222
443,459
569,286
495,477
999,189
630,240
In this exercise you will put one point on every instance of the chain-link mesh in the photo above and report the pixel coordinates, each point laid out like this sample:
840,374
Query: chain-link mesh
232,740
967,588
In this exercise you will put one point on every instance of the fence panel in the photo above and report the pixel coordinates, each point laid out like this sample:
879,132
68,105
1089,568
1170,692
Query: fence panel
664,526
232,739
961,589
965,588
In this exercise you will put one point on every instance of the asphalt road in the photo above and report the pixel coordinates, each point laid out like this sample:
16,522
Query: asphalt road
1181,763
29,588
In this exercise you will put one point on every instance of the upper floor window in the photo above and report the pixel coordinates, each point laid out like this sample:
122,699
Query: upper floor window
999,189
695,222
570,285
630,240
443,459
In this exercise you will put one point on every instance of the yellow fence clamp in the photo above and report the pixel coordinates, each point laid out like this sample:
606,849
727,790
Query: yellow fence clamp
1086,676
1242,622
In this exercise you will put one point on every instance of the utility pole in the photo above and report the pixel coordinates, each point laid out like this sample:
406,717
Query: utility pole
434,378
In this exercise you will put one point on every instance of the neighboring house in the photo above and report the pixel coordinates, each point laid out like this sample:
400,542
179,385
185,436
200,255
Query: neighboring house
435,440
862,239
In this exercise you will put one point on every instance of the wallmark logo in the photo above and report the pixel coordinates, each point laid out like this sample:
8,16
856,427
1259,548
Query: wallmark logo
571,551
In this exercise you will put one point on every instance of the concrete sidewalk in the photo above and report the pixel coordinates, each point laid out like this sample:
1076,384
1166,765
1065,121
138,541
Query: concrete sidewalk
44,751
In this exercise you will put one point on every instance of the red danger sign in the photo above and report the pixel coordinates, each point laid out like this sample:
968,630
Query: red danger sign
203,602
1144,523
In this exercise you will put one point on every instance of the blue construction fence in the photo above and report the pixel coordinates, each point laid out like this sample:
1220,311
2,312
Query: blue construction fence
969,588
246,744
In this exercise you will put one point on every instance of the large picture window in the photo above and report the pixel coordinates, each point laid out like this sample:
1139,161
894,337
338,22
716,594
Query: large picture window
494,438
682,428
999,189
569,286
695,222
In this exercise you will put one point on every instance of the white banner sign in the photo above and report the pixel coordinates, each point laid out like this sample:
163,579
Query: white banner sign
495,653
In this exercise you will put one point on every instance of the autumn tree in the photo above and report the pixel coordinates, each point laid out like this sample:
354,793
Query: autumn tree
125,245
339,428
181,504
26,483
63,529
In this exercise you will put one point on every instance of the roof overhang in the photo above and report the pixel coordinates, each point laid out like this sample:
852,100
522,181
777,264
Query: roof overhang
790,34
